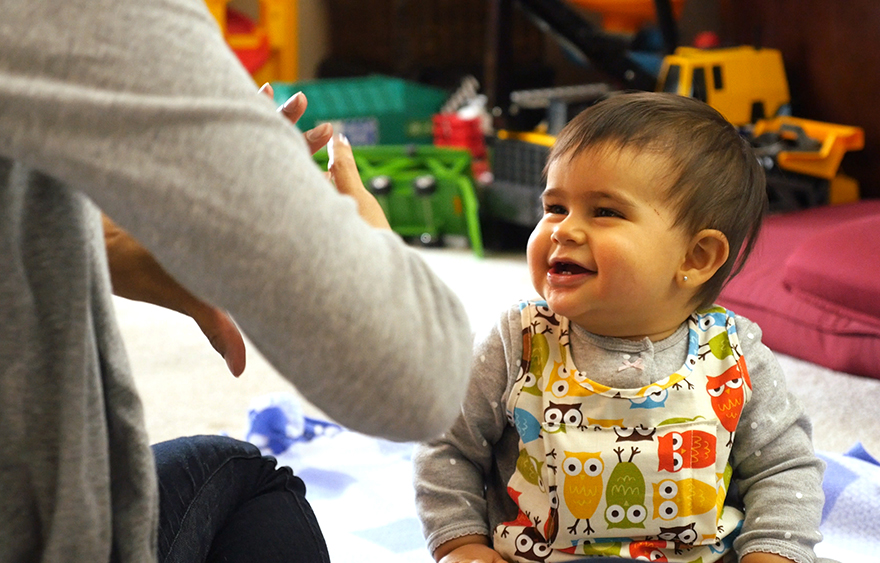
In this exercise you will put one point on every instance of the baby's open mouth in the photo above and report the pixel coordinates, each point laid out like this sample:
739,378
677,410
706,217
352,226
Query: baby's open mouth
567,269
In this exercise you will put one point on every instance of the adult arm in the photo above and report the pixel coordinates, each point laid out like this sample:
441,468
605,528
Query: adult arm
142,106
778,474
136,275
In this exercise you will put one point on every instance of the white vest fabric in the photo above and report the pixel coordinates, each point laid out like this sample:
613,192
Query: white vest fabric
640,473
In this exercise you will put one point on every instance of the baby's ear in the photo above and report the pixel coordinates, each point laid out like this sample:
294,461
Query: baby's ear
707,252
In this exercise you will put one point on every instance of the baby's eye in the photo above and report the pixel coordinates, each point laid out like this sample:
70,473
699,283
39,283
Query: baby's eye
553,209
607,212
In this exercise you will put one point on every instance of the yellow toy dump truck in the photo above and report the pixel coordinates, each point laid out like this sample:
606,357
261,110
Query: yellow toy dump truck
745,84
748,86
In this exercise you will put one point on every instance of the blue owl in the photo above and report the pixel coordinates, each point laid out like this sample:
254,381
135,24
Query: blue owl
651,397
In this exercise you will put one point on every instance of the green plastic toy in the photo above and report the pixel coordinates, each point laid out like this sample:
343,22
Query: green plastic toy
369,110
426,192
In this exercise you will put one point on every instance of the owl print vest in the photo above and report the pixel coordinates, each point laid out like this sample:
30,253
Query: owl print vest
640,473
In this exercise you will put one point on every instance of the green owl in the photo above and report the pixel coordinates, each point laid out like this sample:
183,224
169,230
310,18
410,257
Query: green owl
530,468
599,549
625,494
536,348
719,346
540,353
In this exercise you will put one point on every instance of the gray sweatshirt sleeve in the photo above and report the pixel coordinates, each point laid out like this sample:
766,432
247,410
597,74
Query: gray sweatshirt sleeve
778,476
141,106
452,472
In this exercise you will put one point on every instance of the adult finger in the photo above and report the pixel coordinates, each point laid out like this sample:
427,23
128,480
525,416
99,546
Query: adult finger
318,136
223,335
342,167
344,173
294,107
267,90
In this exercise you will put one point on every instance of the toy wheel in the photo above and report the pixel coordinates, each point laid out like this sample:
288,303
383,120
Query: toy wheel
380,185
427,239
425,185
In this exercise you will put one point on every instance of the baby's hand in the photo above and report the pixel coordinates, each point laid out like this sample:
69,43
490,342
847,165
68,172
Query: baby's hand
472,553
764,558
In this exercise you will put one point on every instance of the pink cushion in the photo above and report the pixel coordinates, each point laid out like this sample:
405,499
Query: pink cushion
809,285
853,248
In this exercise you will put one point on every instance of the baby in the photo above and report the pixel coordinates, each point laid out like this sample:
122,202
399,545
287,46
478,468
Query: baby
625,414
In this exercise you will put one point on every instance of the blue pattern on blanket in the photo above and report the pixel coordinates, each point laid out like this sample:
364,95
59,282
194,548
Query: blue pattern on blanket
325,484
399,536
851,518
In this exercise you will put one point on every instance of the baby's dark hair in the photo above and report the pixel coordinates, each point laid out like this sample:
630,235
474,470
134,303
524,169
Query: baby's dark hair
715,180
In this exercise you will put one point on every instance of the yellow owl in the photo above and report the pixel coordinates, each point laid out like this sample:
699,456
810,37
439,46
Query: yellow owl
559,382
582,486
563,384
676,499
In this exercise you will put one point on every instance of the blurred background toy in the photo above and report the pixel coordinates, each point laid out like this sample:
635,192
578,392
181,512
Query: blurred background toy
506,119
267,46
370,110
427,192
276,422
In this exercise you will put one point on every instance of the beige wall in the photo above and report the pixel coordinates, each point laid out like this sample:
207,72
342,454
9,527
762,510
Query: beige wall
313,43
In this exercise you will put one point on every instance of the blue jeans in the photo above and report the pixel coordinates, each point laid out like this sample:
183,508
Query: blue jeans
221,500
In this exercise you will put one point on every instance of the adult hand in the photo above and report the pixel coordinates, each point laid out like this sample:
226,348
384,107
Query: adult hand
135,274
293,109
341,166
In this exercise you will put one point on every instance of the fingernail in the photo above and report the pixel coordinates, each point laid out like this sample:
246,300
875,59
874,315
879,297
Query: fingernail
263,88
343,139
330,153
291,101
317,132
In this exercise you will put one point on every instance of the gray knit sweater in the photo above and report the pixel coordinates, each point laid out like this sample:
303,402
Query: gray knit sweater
137,107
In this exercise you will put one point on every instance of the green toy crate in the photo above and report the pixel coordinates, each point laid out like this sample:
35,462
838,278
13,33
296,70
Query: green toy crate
426,192
369,110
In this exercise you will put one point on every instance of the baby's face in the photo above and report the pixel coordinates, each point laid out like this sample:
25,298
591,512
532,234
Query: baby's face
606,252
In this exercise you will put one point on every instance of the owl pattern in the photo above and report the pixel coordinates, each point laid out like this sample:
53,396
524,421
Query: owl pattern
582,487
659,495
687,497
625,493
683,450
559,415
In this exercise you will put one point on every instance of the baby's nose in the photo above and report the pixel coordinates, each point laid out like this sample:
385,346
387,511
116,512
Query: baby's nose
569,231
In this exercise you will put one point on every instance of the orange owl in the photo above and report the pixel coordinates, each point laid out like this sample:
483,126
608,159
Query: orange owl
691,448
648,550
727,392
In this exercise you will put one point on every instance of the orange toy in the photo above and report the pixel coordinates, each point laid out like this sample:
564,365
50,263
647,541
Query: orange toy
268,47
626,16
834,141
